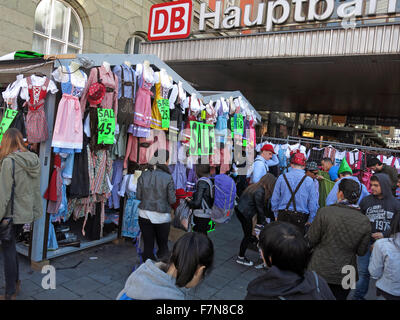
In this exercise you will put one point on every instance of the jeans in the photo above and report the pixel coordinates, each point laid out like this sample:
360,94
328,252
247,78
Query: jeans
11,270
363,274
247,226
151,232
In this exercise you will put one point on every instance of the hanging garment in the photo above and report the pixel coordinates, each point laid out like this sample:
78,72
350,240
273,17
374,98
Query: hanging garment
110,81
139,131
126,93
315,155
176,120
366,179
339,156
179,175
142,116
330,153
80,183
283,160
354,159
294,148
36,123
118,150
114,200
156,118
13,100
221,127
191,181
130,224
62,213
54,193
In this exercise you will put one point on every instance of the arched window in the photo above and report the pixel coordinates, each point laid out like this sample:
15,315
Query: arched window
58,28
132,45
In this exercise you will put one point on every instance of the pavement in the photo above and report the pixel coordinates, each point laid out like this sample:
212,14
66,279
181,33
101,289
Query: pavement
100,273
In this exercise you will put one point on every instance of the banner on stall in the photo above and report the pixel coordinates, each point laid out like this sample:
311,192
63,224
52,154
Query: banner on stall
202,139
8,118
163,107
106,126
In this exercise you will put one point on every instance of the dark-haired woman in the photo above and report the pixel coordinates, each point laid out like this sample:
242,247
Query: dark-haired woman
385,263
338,233
286,253
191,259
254,201
156,191
21,167
202,200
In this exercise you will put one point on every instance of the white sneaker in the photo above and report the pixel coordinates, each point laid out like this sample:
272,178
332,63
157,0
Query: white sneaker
244,261
260,266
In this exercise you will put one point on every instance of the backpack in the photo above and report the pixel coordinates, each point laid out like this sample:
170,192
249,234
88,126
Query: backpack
224,192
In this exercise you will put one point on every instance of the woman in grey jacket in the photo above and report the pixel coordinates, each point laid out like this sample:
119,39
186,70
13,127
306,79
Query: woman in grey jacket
156,191
385,263
192,258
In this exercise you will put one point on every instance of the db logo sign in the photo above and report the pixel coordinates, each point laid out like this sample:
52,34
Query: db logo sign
170,20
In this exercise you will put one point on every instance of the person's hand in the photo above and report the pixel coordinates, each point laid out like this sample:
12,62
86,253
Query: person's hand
308,224
188,199
371,247
319,178
377,235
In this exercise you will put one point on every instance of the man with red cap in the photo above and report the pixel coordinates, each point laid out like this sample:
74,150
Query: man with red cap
294,198
266,159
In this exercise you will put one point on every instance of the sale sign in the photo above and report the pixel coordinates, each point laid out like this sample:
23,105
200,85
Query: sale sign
171,20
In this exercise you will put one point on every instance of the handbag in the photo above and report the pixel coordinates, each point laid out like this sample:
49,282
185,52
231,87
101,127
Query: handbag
182,216
6,224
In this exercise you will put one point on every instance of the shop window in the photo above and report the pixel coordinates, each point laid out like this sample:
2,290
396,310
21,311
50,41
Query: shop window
132,45
58,29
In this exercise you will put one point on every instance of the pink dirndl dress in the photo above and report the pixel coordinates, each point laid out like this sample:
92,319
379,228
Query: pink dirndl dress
143,105
36,123
68,129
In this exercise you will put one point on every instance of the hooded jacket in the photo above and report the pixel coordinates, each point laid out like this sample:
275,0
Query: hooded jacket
28,205
380,212
276,283
150,282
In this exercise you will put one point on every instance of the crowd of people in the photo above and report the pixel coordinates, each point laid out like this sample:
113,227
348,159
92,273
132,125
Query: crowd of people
304,248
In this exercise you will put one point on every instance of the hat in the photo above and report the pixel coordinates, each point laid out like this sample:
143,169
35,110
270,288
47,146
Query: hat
312,166
268,147
344,167
96,93
299,159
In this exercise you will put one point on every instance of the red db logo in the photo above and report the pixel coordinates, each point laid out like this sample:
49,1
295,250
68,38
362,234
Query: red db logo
170,20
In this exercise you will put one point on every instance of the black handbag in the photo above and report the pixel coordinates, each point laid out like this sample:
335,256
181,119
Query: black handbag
6,224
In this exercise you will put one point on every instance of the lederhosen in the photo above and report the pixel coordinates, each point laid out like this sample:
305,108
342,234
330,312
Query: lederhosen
94,122
293,216
126,106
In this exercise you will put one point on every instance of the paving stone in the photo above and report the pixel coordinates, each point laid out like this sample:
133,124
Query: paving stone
203,291
93,296
105,276
60,293
228,293
216,281
82,285
29,288
112,290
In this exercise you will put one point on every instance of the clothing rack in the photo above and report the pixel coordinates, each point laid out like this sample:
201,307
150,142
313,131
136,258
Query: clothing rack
328,143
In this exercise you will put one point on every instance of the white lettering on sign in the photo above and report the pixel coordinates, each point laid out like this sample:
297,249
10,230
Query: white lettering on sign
269,16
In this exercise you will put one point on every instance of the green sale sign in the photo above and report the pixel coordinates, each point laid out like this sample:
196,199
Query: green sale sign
163,107
8,118
202,139
106,126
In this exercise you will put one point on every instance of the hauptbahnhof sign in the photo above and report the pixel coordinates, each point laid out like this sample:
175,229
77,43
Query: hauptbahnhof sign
172,20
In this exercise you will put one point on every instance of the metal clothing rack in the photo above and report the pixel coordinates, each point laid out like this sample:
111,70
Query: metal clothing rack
328,143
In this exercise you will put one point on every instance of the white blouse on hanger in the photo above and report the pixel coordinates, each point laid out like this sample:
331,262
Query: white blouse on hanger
78,78
13,89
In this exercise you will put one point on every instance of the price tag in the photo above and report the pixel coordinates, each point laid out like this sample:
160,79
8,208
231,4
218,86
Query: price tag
163,107
203,115
244,143
8,118
240,124
106,126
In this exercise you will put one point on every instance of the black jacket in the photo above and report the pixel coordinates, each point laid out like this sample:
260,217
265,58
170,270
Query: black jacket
156,191
203,191
380,212
276,283
251,204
